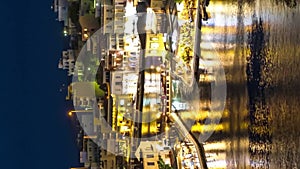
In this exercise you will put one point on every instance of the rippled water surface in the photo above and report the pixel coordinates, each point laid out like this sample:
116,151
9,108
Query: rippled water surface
258,43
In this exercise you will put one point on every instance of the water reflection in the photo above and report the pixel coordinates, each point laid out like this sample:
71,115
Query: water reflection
258,44
259,114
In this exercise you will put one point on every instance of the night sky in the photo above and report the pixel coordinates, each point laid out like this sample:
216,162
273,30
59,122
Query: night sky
35,131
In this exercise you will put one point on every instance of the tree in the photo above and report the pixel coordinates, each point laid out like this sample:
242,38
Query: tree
178,1
162,165
73,12
99,92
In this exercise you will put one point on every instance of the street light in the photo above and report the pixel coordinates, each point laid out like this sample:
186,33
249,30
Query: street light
70,113
167,128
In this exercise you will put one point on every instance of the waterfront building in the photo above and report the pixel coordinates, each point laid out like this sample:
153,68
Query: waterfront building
89,25
67,61
107,18
114,60
124,83
150,152
61,8
83,94
90,154
87,19
113,23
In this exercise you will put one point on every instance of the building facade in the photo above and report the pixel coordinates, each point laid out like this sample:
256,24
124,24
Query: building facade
67,61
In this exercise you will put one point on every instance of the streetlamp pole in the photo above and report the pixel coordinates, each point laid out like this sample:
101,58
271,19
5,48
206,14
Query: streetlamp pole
70,113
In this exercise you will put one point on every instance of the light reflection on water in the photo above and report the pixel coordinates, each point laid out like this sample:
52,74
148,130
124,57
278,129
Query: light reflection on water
279,146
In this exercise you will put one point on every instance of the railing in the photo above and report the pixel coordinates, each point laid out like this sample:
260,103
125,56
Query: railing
187,134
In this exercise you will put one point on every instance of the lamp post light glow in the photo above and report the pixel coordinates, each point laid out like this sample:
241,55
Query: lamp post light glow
167,128
70,113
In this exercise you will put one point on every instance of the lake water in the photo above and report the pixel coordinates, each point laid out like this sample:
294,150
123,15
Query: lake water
258,44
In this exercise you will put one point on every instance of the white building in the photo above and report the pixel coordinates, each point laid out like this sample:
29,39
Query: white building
124,83
119,13
67,61
114,23
150,151
63,10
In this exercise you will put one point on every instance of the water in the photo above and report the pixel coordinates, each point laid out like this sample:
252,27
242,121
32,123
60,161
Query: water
262,84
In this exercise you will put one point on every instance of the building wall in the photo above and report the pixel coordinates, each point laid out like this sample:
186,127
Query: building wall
87,123
150,160
93,151
83,94
109,162
124,82
89,25
62,10
108,17
67,61
119,13
157,4
117,83
154,45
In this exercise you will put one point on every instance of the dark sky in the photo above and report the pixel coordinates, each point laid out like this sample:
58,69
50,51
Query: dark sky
35,131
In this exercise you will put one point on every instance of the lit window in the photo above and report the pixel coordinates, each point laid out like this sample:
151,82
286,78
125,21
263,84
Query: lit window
153,51
122,102
154,45
154,39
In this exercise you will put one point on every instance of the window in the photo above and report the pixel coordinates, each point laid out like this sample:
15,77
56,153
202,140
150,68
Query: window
122,102
153,51
150,163
150,156
119,10
154,45
154,39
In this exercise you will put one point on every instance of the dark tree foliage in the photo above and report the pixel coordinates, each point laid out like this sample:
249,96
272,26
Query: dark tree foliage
73,12
162,165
